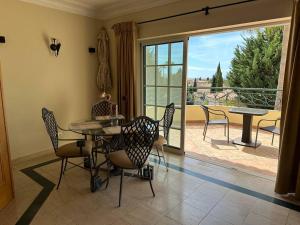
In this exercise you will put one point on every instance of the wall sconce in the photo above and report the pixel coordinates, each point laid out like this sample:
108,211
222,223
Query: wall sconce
55,46
2,39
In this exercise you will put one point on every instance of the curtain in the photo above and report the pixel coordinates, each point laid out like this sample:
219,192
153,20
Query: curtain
288,176
125,44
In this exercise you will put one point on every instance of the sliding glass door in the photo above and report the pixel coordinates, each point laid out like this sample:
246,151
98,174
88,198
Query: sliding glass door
164,71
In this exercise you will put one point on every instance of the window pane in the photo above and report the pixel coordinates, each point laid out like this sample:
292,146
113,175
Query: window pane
176,76
162,54
162,96
162,76
177,53
175,96
174,138
160,112
150,55
177,119
150,75
150,111
150,95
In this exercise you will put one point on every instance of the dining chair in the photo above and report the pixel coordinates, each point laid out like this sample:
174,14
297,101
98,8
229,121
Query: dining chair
102,108
78,148
208,121
136,138
165,122
274,129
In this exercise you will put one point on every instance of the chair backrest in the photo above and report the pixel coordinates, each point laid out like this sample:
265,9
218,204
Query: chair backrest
168,119
102,108
206,112
138,137
51,126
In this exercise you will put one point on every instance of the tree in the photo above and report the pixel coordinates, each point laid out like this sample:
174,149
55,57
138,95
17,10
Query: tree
219,77
256,62
200,78
195,84
207,78
213,84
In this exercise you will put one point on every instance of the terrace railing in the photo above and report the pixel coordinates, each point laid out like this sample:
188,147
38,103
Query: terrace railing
235,96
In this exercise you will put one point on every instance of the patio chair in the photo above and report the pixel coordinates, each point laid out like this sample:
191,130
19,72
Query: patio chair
271,129
79,148
166,121
209,121
137,138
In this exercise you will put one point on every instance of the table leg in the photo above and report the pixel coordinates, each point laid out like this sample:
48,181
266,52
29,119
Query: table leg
247,129
246,139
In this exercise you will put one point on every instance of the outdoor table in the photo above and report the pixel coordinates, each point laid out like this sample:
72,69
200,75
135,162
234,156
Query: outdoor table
248,114
103,126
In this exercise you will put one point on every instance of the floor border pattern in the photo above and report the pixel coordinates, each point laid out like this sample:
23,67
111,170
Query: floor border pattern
48,186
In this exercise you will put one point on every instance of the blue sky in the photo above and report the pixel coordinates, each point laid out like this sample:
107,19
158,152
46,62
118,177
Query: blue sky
206,51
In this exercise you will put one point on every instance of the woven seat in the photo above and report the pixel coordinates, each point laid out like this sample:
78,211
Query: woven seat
271,129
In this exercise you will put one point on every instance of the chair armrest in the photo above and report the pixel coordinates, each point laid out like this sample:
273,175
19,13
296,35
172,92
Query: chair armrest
267,120
217,112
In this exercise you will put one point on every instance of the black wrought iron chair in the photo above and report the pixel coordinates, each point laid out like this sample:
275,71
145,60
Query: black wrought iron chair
136,138
274,129
77,148
103,108
165,123
208,121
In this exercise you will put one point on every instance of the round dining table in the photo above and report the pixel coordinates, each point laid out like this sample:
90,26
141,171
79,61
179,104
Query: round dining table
248,114
103,127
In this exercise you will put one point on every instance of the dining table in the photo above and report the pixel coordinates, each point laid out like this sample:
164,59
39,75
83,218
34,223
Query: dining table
104,127
247,113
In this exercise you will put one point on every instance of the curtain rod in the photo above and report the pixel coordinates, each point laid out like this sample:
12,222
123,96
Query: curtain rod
205,9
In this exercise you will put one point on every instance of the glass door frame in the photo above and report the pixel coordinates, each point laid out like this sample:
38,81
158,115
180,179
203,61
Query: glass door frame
184,40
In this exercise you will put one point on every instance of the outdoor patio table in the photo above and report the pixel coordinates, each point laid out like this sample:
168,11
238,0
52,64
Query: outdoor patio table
248,114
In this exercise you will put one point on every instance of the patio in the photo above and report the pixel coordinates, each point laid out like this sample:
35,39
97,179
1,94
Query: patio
262,160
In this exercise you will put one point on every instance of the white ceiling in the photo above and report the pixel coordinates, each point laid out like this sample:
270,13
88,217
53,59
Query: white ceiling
101,9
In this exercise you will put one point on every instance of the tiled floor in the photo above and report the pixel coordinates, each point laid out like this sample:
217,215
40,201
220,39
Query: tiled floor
262,160
191,193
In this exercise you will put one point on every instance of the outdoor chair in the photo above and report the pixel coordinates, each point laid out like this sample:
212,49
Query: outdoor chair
79,148
271,129
208,121
166,123
136,140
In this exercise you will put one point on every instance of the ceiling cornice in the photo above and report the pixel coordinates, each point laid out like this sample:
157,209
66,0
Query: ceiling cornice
67,6
128,7
105,12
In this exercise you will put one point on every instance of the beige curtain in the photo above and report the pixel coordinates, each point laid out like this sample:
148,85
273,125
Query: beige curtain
288,177
125,44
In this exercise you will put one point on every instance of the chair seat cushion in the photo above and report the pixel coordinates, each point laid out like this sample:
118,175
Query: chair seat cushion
160,141
120,159
271,129
216,122
72,150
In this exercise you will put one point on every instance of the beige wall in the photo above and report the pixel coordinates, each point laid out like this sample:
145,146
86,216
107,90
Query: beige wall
33,78
230,17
